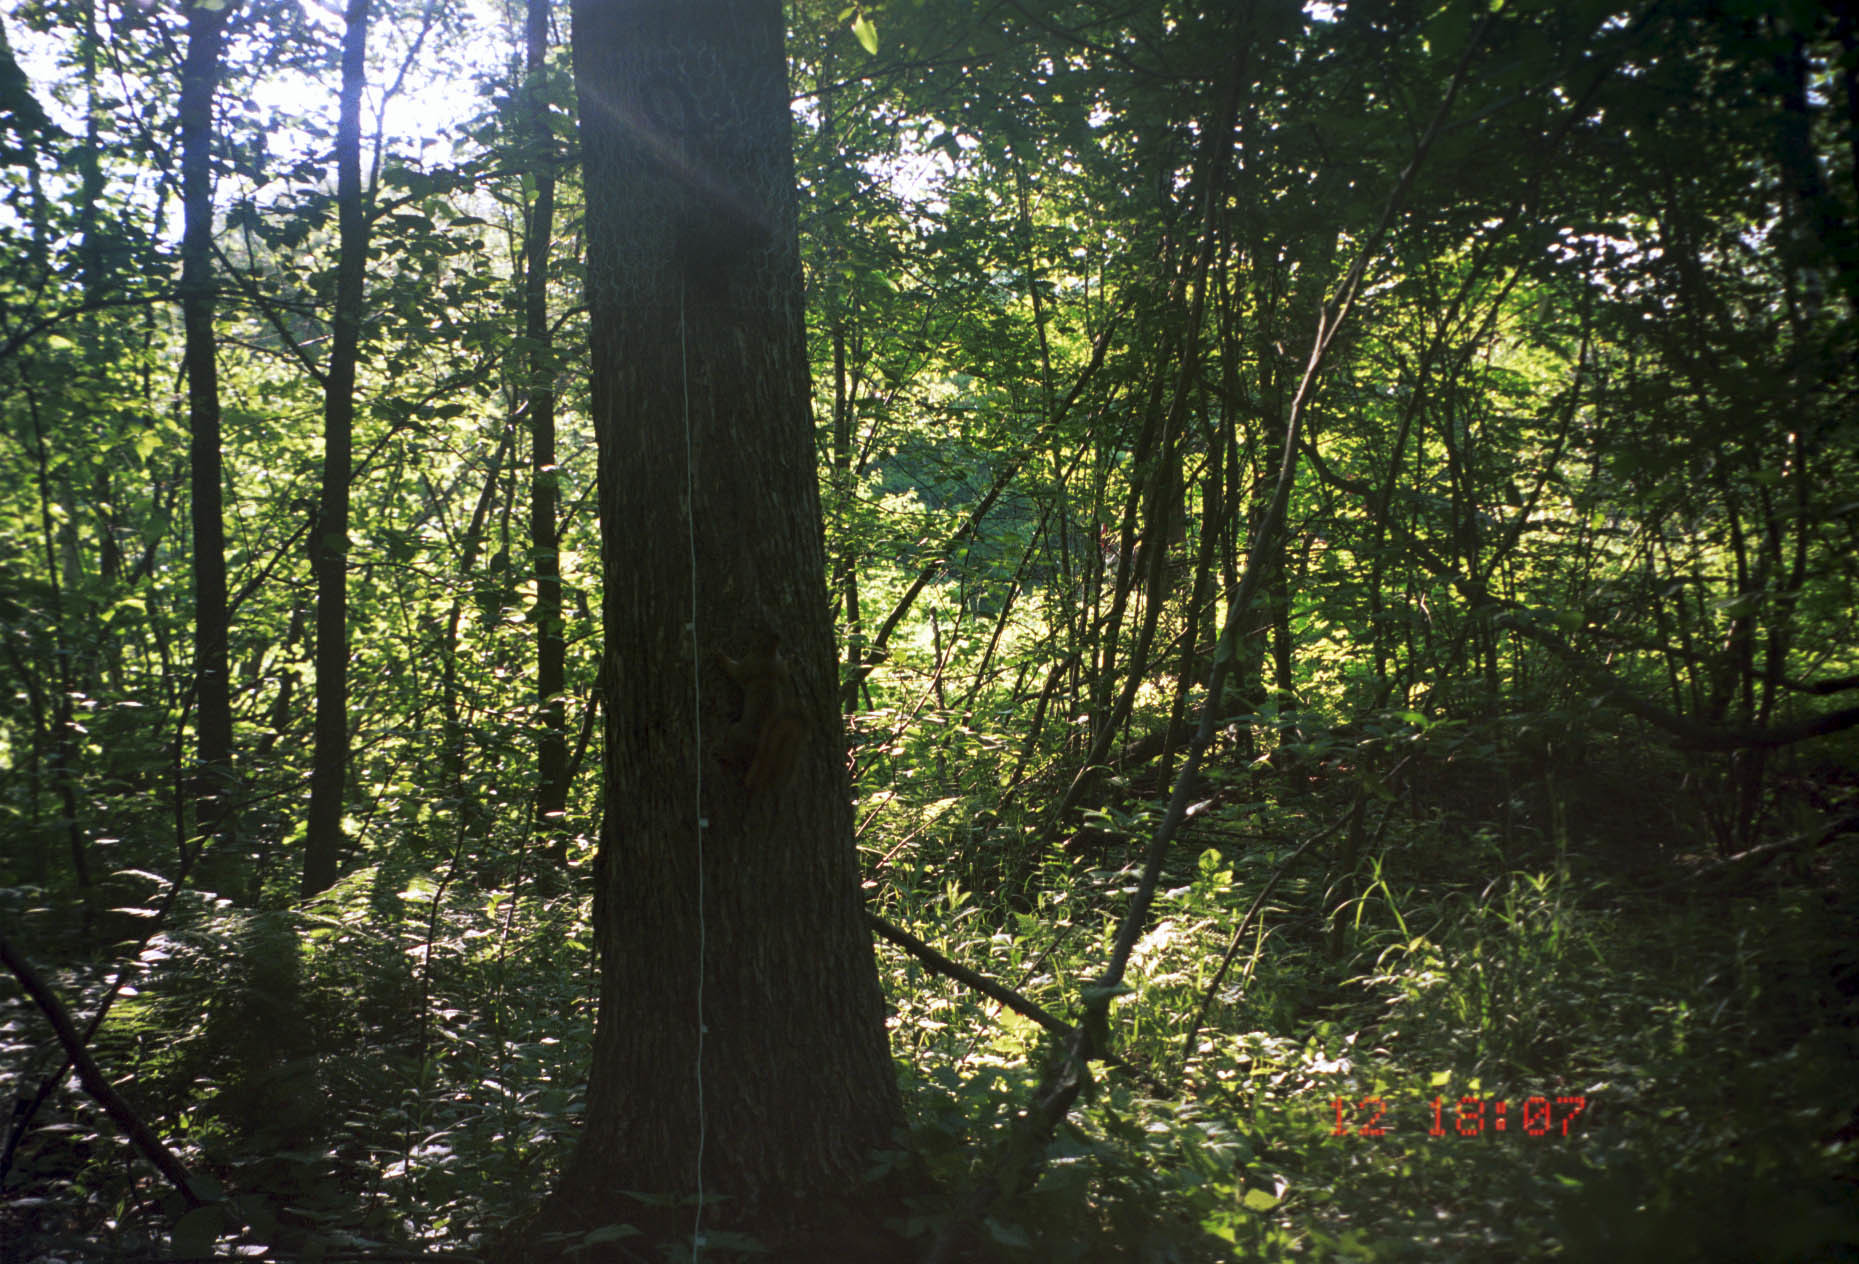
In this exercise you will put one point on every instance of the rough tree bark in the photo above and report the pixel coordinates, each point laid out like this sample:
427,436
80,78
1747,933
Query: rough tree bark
739,1049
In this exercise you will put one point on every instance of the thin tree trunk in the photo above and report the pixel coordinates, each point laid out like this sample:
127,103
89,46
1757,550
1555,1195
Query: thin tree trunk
545,546
453,754
64,748
94,275
329,539
1216,143
215,809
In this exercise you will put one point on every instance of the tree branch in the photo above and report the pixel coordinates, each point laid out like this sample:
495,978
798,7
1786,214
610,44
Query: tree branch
92,1077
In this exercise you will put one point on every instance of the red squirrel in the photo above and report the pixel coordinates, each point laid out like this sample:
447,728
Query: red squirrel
767,735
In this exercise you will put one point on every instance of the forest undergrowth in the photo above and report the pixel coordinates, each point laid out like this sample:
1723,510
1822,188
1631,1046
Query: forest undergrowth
1299,560
1534,1029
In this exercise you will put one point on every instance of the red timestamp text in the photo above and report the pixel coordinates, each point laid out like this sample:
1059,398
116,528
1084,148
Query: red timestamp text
1466,1117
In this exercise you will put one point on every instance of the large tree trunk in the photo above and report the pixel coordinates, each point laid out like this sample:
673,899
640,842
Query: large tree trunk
740,1047
329,541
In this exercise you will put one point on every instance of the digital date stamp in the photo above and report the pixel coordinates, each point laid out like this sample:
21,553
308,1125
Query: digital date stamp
1469,1116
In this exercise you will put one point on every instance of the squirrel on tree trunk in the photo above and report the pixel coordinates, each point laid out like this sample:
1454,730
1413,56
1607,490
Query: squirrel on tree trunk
761,745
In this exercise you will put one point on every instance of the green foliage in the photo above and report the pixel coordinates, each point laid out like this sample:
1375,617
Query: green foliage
1546,985
1576,466
337,1067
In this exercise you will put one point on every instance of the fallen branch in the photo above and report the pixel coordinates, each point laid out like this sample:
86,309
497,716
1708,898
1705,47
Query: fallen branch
999,992
92,1078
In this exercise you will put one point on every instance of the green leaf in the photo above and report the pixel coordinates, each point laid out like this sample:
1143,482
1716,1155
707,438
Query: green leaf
867,33
195,1232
